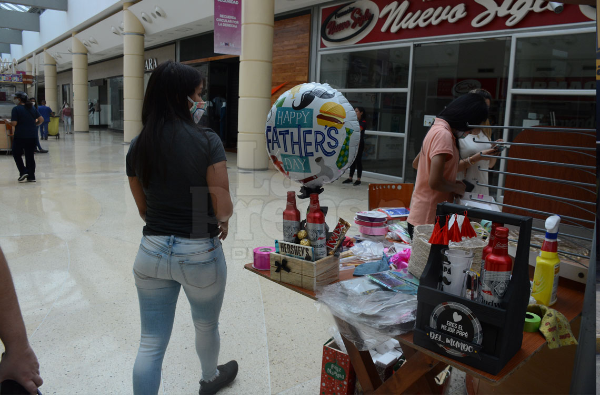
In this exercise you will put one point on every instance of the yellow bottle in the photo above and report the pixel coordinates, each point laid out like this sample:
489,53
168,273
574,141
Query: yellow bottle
547,266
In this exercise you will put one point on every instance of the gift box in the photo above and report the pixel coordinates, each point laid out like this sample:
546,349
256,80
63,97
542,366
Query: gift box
305,274
337,374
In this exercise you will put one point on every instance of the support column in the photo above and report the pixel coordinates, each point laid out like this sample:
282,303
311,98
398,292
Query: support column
255,82
50,82
81,121
133,73
29,71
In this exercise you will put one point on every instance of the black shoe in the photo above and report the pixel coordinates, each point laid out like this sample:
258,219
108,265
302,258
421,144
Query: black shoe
43,151
348,181
31,180
357,182
226,375
22,177
36,151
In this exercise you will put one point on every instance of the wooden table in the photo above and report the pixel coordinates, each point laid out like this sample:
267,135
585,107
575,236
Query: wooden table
422,365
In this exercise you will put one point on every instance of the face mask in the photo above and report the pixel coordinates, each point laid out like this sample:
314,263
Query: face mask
197,109
16,100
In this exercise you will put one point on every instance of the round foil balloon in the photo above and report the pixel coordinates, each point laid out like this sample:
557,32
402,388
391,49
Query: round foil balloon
312,134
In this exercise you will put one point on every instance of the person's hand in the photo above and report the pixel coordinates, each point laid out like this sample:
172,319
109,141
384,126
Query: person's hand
459,188
21,365
223,229
494,151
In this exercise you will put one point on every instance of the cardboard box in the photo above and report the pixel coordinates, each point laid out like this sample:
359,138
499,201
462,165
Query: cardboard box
337,374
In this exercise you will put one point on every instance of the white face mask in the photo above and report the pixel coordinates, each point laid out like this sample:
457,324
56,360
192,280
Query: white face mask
16,100
197,109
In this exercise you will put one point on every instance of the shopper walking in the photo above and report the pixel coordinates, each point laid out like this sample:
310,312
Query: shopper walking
25,119
472,150
439,156
39,149
357,164
66,114
178,177
45,112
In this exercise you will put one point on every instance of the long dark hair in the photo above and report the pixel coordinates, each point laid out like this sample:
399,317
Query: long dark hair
469,109
364,113
166,101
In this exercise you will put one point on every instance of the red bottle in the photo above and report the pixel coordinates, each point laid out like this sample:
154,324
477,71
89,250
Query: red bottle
315,227
488,248
495,275
291,219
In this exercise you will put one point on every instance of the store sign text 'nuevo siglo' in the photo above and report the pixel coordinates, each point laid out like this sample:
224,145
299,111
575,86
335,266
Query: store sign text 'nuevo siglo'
350,23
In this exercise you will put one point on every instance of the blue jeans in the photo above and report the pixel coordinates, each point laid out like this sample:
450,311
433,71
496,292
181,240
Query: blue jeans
44,129
162,266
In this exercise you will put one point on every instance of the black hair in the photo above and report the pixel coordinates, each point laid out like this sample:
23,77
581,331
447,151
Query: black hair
469,109
166,101
22,96
364,113
483,93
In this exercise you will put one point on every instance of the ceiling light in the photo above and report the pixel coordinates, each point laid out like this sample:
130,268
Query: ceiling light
146,18
153,15
115,31
160,12
122,26
70,50
87,44
93,40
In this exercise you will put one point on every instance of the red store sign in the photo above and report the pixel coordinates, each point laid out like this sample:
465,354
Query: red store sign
366,21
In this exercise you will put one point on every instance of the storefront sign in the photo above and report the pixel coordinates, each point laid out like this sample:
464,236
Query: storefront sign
150,64
228,27
366,21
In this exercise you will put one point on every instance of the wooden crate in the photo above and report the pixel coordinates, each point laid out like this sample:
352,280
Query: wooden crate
305,274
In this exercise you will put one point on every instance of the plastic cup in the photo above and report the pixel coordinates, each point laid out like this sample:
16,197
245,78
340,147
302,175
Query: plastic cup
456,262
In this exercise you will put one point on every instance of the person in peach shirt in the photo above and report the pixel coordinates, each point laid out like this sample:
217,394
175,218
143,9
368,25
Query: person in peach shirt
437,162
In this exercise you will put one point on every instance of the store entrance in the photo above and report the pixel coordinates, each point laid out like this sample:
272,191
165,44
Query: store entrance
221,97
445,71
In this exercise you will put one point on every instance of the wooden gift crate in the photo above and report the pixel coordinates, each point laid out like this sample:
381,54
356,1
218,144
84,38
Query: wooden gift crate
305,274
502,327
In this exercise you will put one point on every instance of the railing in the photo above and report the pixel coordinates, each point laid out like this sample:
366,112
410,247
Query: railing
582,205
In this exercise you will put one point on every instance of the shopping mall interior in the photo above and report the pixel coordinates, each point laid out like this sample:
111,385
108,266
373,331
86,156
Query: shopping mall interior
71,238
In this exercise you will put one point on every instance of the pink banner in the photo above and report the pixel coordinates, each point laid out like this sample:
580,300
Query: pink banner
228,27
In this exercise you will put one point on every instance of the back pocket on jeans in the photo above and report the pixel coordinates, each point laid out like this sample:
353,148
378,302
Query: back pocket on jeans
200,274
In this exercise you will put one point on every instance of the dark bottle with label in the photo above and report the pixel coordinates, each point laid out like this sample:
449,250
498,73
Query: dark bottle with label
315,227
496,272
291,219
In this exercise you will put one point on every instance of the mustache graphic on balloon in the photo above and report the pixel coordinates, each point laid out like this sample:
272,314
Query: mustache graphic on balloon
310,135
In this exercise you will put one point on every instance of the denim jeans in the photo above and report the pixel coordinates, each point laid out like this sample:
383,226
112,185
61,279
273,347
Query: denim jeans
44,130
162,266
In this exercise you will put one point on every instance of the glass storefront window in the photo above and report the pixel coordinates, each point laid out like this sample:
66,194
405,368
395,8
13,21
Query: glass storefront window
115,97
378,68
559,111
385,112
445,71
383,155
555,62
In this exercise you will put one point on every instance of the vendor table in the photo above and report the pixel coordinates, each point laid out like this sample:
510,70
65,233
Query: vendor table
418,373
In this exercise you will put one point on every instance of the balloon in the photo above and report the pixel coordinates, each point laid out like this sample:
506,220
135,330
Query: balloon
312,134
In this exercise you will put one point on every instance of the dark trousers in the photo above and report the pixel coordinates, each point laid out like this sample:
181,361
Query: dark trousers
358,161
44,130
28,146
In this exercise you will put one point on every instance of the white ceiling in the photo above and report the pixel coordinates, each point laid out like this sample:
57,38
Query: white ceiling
179,21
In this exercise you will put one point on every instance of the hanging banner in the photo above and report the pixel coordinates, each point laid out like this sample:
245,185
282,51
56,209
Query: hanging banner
228,27
369,21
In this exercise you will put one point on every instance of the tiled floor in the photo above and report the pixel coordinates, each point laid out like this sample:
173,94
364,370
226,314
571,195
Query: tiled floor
71,238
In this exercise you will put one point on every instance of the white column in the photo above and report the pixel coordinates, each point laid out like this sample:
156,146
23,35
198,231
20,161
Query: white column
29,71
81,121
255,82
133,73
50,82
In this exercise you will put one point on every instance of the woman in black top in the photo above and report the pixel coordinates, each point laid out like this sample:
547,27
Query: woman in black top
178,177
25,120
357,164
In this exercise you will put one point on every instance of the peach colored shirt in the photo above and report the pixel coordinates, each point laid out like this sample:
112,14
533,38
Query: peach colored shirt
439,140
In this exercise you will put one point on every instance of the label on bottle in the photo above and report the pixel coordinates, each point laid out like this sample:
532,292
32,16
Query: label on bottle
290,230
318,237
493,287
555,285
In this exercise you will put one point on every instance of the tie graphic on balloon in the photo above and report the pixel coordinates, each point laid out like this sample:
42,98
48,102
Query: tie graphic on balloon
310,134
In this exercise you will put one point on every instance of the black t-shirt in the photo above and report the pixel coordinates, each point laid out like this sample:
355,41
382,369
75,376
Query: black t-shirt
25,118
177,199
363,127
